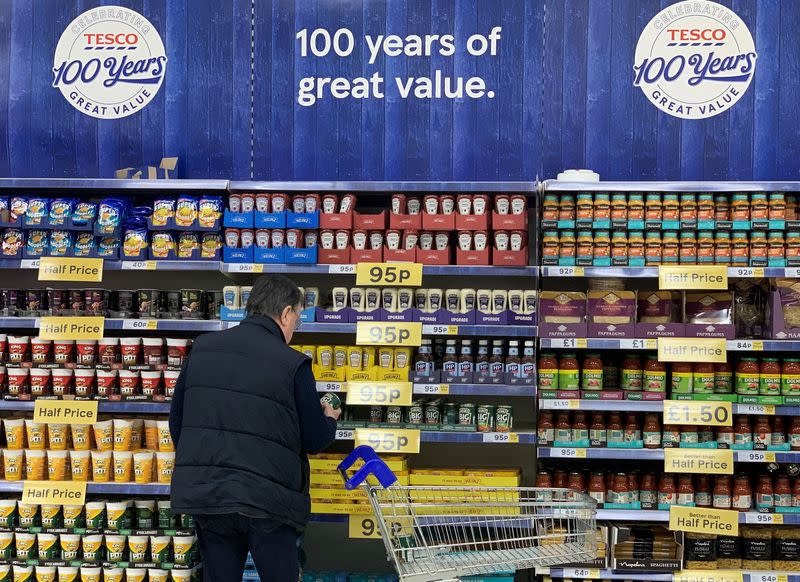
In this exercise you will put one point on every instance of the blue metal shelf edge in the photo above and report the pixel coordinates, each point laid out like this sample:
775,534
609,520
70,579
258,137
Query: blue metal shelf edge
112,184
617,575
711,186
106,488
387,187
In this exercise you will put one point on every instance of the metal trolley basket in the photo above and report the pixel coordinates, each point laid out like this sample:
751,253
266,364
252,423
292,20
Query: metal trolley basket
444,533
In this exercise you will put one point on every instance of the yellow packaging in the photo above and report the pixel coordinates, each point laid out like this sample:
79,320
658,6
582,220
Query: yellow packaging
81,437
164,437
325,357
339,356
158,575
478,472
159,548
25,542
150,435
72,516
48,546
182,575
368,358
113,574
456,480
354,358
68,574
91,574
6,541
135,575
137,434
143,466
386,358
23,574
115,547
397,463
340,508
101,466
57,465
46,574
437,472
123,435
8,514
123,467
28,514
15,433
184,549
58,436
14,464
103,435
81,465
50,515
402,358
70,546
137,548
37,435
35,465
117,515
165,464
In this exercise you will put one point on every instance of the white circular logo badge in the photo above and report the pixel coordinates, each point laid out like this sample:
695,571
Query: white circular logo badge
109,62
695,59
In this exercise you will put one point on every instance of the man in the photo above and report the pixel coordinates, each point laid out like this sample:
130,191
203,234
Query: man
244,414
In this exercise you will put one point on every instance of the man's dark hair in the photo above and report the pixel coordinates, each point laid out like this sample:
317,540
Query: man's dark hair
271,294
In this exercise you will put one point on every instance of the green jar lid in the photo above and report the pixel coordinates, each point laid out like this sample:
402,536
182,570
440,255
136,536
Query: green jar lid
550,233
619,197
654,235
687,235
706,197
654,196
722,234
618,234
758,196
584,233
706,233
602,233
670,197
584,196
777,196
740,197
632,197
601,196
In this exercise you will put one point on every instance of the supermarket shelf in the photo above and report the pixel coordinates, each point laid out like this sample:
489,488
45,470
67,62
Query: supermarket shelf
136,407
444,436
600,453
775,345
329,517
475,389
632,515
764,345
766,456
387,187
346,269
558,186
604,574
652,272
126,265
104,488
19,322
111,184
620,405
485,330
128,324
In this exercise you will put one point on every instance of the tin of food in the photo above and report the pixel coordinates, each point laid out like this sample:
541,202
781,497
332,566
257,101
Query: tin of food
486,418
332,399
466,414
394,415
375,414
504,418
415,414
148,303
192,304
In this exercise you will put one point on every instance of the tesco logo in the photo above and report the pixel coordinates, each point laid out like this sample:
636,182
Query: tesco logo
121,38
696,34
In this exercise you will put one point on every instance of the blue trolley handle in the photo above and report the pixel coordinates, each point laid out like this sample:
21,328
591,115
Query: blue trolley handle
373,465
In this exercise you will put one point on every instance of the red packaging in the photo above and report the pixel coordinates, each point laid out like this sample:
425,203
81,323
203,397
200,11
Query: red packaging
312,202
502,204
18,381
393,238
347,204
294,238
410,239
84,382
299,203
235,202
431,204
128,382
177,349
375,240
517,240
329,203
342,239
519,204
3,347
360,238
86,352
62,381
399,204
130,348
18,348
448,204
248,237
106,382
40,350
170,379
480,204
39,379
232,238
2,376
151,383
426,240
480,240
153,349
262,202
464,204
327,239
248,202
414,206
441,241
280,202
465,240
262,238
62,351
277,237
108,351
501,240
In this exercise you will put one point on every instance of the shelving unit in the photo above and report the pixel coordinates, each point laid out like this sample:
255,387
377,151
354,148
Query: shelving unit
443,436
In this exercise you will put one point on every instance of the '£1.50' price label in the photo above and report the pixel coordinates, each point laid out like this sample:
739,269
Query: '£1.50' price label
374,333
379,393
389,440
697,412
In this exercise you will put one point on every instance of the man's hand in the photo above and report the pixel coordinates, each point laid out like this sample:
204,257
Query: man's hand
330,411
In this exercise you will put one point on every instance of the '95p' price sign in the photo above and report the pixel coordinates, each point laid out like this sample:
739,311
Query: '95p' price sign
375,333
389,440
397,274
380,394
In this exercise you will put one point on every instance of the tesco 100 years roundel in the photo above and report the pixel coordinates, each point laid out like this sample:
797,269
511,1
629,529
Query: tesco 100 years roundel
109,62
695,59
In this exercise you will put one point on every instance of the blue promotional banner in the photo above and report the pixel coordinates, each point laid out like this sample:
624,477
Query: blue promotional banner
401,90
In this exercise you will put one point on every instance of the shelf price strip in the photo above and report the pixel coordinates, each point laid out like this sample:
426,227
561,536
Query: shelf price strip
707,576
698,412
375,333
70,269
380,393
396,274
138,266
585,573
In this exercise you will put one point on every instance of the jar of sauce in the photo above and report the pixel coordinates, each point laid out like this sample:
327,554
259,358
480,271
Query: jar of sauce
722,493
748,376
703,378
740,207
725,437
633,487
740,248
592,377
585,245
705,247
777,206
621,488
670,251
671,435
633,430
614,431
667,492
550,207
764,493
796,493
597,431
602,206
597,487
688,206
682,377
563,427
742,433
685,490
670,209
636,245
793,246
782,495
776,249
548,372
759,208
722,248
794,434
575,482
632,374
770,377
651,432
762,432
584,209
545,430
636,207
648,492
723,378
602,244
566,207
550,245
544,479
702,492
566,245
742,497
778,432
688,250
705,207
722,209
580,428
568,373
655,375
619,248
653,207
689,434
790,377
758,246
619,207
652,248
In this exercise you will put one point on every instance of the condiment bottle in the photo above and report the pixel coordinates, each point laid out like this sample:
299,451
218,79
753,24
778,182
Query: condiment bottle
584,209
688,250
702,492
602,245
743,434
619,207
778,432
450,360
670,247
592,377
762,432
527,367
776,249
636,248
548,372
545,430
667,494
568,373
682,377
585,245
722,248
597,487
740,207
722,493
790,377
602,206
651,432
563,427
655,375
793,247
423,363
705,207
689,434
671,435
748,376
777,206
759,208
758,247
482,359
782,496
740,248
705,247
550,207
632,375
722,209
794,434
742,498
566,245
619,247
597,432
723,378
648,492
636,207
614,432
466,363
496,363
764,493
575,482
633,430
566,207
685,490
688,206
770,378
703,378
652,207
619,493
512,363
725,436
580,429
633,488
652,248
670,209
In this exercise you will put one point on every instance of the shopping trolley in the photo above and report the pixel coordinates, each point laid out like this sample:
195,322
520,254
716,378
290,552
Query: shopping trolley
444,533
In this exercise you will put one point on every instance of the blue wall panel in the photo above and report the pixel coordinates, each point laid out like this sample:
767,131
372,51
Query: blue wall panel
562,83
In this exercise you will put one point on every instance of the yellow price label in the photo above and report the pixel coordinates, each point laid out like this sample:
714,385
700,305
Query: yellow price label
65,411
364,527
747,345
54,492
698,412
755,408
397,440
769,457
395,274
682,277
380,393
70,269
709,521
764,518
712,461
562,403
708,576
682,349
377,333
71,328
